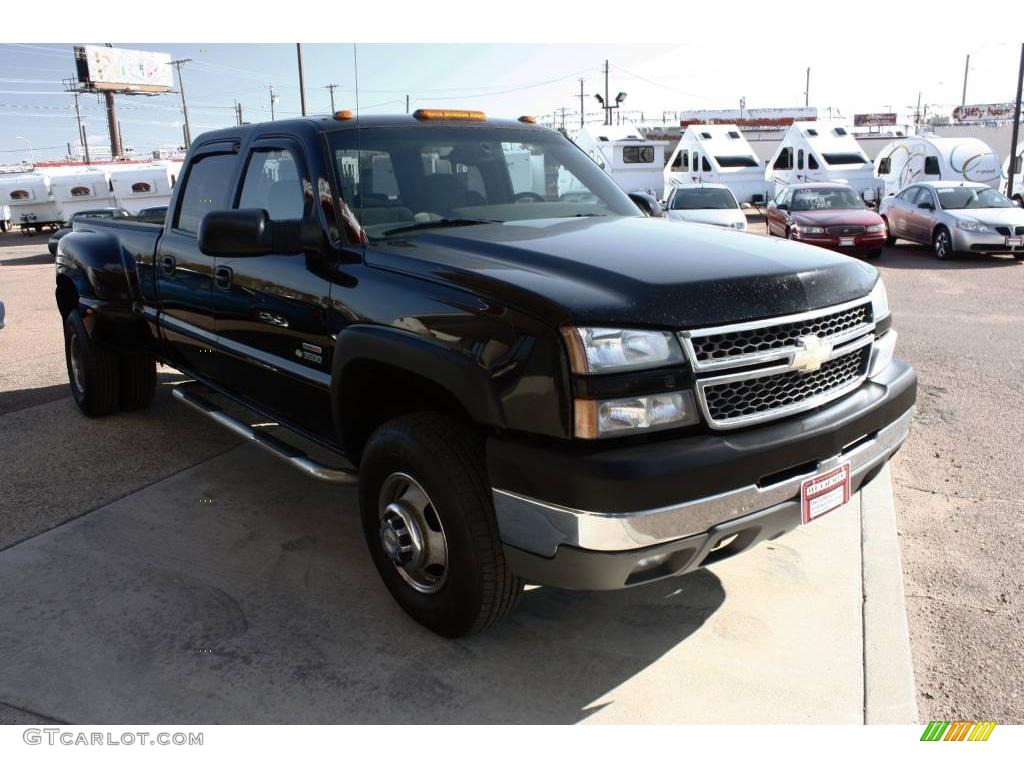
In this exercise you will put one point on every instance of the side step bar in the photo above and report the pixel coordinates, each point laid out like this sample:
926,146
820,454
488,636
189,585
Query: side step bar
267,441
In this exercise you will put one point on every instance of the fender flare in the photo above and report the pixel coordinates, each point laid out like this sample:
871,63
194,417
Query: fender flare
459,375
99,267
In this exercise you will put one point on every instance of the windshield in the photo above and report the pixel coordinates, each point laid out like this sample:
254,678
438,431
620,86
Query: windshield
844,158
826,198
954,198
702,199
397,179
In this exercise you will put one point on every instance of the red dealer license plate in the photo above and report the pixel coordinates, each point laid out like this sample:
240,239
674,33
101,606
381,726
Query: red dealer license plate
821,494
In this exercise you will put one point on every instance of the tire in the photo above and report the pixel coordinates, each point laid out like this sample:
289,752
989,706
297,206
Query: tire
890,239
942,243
136,381
442,457
92,369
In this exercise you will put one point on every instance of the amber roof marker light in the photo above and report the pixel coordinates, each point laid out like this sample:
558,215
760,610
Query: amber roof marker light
449,114
343,114
528,119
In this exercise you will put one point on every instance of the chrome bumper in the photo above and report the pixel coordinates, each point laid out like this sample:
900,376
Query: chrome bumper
535,526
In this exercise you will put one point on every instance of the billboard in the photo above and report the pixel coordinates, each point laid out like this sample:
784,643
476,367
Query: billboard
121,69
977,112
874,118
748,117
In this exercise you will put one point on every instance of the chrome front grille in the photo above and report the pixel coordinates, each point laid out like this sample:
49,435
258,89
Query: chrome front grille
757,371
845,230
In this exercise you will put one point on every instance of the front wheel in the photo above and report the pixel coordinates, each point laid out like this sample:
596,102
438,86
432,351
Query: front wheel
429,523
92,369
942,243
890,238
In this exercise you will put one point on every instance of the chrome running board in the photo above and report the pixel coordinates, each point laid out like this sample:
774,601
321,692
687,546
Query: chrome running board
282,450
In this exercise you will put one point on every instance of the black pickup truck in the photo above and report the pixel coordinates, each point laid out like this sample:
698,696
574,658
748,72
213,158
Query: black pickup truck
528,378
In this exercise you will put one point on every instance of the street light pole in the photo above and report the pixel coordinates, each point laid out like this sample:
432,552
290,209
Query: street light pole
967,68
607,109
302,83
31,152
184,107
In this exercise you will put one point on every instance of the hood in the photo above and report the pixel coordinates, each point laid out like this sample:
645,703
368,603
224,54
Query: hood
722,216
826,218
629,271
995,216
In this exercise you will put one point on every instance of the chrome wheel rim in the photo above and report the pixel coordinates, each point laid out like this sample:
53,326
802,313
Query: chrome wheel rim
75,356
411,533
942,245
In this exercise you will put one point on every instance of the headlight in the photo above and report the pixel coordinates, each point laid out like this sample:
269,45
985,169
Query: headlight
879,301
972,226
604,350
875,228
881,353
604,418
803,229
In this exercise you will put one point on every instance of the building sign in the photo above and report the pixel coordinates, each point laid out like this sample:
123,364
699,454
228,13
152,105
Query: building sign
972,113
747,117
874,118
120,69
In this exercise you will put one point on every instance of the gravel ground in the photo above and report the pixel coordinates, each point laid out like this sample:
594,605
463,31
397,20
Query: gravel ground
958,481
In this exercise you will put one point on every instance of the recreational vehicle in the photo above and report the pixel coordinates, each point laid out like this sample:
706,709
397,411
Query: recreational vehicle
1018,176
929,158
633,162
30,198
718,154
821,151
143,186
82,189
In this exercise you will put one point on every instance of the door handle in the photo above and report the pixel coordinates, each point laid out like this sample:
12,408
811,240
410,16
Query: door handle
222,278
167,265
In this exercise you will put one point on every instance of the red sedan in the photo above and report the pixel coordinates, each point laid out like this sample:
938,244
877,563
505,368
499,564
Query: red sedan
830,215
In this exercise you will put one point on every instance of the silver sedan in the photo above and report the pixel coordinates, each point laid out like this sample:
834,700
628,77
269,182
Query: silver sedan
955,217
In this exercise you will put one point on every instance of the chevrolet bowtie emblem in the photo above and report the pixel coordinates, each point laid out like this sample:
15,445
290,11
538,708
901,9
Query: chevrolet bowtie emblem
811,353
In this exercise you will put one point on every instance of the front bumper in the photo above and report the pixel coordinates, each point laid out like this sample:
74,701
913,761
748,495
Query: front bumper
982,242
864,243
618,517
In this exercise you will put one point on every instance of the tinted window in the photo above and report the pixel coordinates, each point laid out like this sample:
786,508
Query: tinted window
784,161
735,161
812,162
931,166
972,197
273,183
682,161
704,164
638,154
206,189
884,166
800,159
844,158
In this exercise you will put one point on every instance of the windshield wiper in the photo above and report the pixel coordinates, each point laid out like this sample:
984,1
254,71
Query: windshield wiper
439,223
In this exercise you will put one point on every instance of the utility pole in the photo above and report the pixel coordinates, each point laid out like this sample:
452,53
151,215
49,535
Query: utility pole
81,131
407,103
330,87
238,112
607,109
184,108
581,103
967,68
302,84
917,114
807,89
273,100
1015,133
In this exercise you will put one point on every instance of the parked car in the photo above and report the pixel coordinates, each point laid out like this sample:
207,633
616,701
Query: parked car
98,213
524,388
706,204
828,215
154,215
953,217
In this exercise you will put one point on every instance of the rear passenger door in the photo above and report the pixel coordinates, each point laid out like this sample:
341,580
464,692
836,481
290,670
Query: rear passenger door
271,311
184,275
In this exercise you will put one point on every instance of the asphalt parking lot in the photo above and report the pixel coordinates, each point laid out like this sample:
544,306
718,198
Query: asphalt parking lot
154,570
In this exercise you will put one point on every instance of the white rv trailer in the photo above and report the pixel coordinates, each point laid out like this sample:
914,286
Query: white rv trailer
717,154
929,158
821,150
80,189
143,186
30,199
1018,175
633,162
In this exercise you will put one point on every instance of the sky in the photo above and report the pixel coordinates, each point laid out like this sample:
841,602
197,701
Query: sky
505,80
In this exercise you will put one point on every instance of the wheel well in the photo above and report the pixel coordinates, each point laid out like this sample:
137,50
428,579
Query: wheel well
372,393
937,227
67,295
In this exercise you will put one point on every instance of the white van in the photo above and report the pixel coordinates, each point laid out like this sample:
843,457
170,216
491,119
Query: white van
1018,176
821,151
929,158
143,186
634,162
717,154
80,190
31,202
